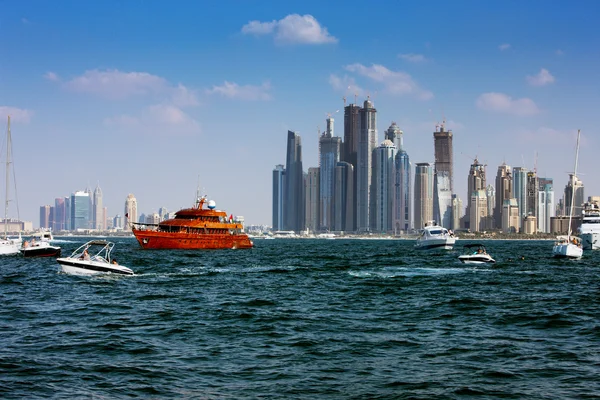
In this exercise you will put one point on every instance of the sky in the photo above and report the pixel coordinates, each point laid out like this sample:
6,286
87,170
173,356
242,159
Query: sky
159,98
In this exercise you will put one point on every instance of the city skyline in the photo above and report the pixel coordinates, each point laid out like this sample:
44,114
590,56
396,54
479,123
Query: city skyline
162,98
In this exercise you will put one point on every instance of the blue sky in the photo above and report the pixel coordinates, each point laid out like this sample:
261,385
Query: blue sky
148,97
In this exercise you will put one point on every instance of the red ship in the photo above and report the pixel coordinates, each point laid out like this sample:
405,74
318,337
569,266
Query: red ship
194,228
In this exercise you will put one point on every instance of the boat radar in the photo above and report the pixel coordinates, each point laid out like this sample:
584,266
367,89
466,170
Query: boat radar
212,204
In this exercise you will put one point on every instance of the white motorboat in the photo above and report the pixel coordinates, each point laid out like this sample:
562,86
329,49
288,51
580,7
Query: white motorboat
589,232
570,246
434,236
476,254
8,246
92,258
40,246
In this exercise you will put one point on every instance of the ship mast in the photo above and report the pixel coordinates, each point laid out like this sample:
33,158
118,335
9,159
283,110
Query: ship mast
573,185
8,146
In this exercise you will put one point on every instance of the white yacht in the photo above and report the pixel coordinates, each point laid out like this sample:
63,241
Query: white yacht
589,232
434,236
8,246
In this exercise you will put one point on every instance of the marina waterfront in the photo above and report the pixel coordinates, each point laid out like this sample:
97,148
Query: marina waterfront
306,318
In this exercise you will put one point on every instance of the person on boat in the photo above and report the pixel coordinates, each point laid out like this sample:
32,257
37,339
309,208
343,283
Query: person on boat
114,261
85,256
26,244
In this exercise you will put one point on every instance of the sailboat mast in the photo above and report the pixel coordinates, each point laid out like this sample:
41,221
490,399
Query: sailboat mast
573,183
8,145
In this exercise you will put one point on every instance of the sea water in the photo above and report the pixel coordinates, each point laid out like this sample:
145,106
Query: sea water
294,318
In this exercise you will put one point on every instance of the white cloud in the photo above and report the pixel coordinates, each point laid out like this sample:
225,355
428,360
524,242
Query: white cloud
345,84
541,79
504,46
500,102
292,29
156,119
16,114
115,84
559,52
51,76
183,97
413,58
246,92
394,82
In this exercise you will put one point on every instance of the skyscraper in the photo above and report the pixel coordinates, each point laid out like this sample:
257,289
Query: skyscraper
520,192
344,197
476,181
479,210
423,194
312,183
383,187
80,210
350,150
131,212
367,140
59,215
330,148
503,192
278,189
578,198
532,190
45,221
443,153
402,215
546,206
293,195
98,209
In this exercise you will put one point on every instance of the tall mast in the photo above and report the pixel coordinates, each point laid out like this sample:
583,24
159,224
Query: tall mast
572,183
8,146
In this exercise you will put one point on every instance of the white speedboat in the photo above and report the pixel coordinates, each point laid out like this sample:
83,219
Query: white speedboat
589,232
476,254
570,246
434,236
92,258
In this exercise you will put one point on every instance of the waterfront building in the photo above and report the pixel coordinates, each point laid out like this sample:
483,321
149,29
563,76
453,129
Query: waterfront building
533,188
59,215
383,187
476,181
293,195
311,188
578,199
344,197
45,218
131,212
442,140
479,210
423,212
80,210
546,207
503,192
402,207
350,150
367,140
457,212
520,192
329,156
99,222
278,188
510,216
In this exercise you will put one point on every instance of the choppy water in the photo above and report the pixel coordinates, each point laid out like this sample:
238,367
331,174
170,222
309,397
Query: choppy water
291,319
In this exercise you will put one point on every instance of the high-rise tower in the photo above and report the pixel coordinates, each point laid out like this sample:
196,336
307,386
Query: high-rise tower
80,210
423,194
293,195
311,188
330,148
367,140
504,193
402,215
383,187
131,212
99,222
344,197
442,140
278,185
476,181
350,151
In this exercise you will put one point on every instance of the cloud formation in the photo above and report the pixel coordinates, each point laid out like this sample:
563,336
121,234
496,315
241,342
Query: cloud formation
413,58
157,119
394,82
504,46
541,79
345,84
51,76
246,92
16,114
293,29
500,102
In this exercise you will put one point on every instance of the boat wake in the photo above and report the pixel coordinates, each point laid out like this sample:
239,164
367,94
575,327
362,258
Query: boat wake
394,272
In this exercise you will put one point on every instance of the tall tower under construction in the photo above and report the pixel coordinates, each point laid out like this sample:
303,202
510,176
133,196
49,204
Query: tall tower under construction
442,140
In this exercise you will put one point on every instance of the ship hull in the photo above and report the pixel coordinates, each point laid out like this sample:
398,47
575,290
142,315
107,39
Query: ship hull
186,241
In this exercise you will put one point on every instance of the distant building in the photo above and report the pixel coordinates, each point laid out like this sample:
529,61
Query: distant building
80,211
423,194
330,147
293,195
442,141
278,189
344,197
520,192
479,210
99,222
530,225
402,213
59,223
311,202
510,216
131,212
350,149
546,207
578,197
45,220
457,212
367,141
383,187
475,182
503,192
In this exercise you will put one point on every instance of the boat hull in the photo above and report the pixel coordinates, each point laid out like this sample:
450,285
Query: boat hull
476,259
435,244
590,241
567,250
186,241
79,267
46,251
